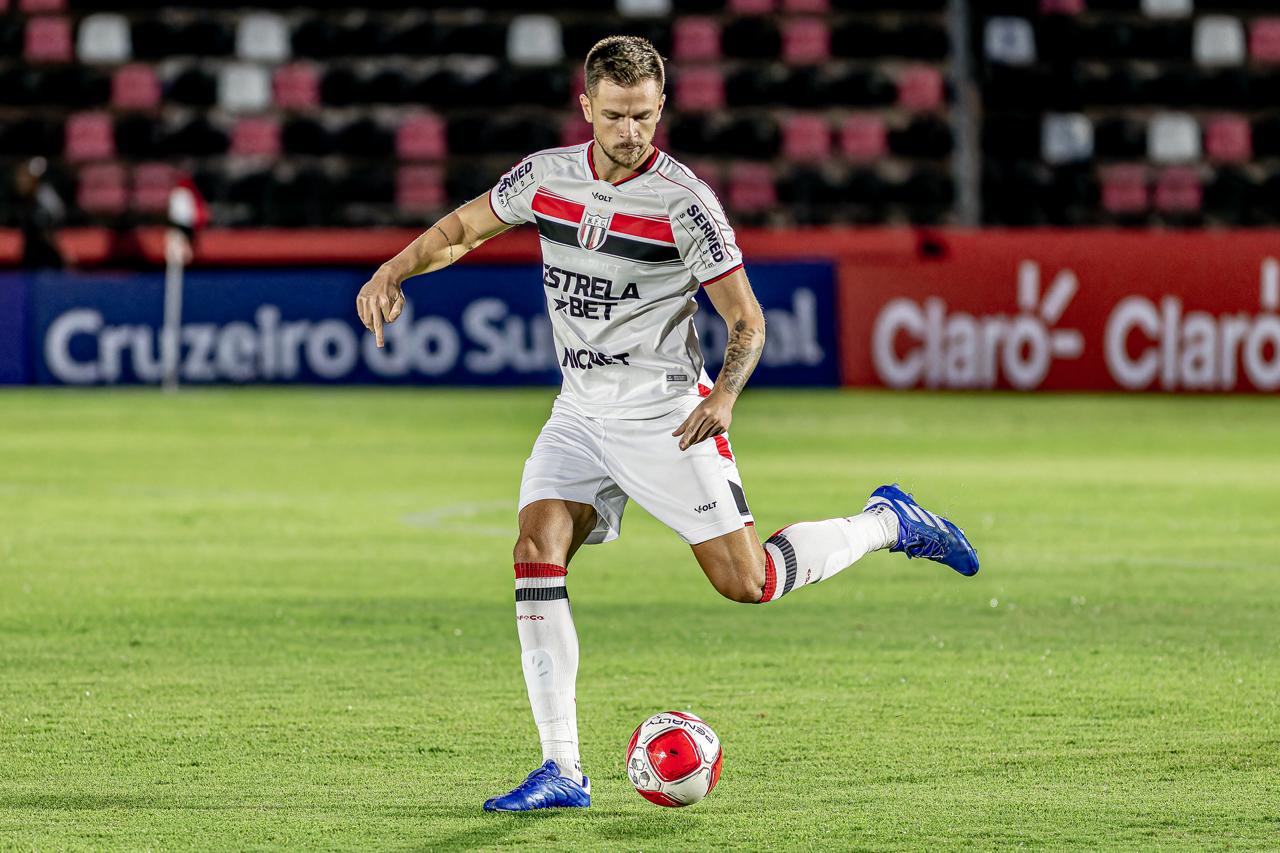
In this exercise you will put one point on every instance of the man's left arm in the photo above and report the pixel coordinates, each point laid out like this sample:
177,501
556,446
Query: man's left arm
733,300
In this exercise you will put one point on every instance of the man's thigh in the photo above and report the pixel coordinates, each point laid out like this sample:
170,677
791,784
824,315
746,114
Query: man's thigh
696,492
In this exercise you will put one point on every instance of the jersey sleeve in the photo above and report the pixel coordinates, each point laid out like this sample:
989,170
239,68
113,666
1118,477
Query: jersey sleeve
511,198
705,238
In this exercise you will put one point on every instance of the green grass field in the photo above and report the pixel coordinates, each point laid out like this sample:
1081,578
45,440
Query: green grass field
262,619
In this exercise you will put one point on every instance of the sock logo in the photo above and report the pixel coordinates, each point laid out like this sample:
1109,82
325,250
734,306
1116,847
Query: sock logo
705,507
532,617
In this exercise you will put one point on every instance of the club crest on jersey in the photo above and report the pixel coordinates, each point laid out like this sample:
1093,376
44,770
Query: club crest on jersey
593,230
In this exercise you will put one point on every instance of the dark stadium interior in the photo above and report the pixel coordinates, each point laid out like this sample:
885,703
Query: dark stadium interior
1082,112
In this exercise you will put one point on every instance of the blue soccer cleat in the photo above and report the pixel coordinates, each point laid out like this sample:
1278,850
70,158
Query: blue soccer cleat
544,788
923,534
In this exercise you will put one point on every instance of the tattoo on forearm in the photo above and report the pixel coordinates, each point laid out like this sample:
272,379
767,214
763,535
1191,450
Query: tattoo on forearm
447,241
740,356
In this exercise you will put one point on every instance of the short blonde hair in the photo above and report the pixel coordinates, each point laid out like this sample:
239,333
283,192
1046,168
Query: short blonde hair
624,60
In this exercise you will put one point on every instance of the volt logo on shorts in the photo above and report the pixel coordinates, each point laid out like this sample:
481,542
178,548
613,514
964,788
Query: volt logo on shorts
705,507
585,359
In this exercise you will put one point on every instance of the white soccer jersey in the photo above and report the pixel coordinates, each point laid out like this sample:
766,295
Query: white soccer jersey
621,264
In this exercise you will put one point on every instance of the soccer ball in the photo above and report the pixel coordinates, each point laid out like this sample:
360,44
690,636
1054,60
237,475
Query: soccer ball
673,759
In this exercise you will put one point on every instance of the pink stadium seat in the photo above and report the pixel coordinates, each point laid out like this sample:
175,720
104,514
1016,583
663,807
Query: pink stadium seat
296,87
420,189
1178,190
1264,40
751,188
863,138
710,172
48,39
135,87
700,89
152,183
1061,7
1124,189
422,137
806,41
256,136
806,7
920,88
574,130
89,136
660,139
750,7
35,7
696,39
806,138
1229,139
102,189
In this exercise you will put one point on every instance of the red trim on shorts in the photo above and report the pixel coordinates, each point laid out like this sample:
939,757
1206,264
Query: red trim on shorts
770,579
703,390
540,570
730,271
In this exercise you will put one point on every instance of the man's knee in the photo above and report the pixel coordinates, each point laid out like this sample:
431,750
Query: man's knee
535,548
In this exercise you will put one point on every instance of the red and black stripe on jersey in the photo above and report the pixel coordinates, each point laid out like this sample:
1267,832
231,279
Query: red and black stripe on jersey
559,218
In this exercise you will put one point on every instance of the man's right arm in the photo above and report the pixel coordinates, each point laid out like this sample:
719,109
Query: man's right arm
381,299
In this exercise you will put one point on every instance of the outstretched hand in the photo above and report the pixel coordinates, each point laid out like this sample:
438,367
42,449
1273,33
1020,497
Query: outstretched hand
380,302
711,417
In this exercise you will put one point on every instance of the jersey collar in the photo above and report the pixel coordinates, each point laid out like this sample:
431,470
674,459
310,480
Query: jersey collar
644,167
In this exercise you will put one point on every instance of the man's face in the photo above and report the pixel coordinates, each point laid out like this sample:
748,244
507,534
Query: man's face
623,120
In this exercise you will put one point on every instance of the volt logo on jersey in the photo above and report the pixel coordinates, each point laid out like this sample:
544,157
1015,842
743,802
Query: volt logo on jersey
593,230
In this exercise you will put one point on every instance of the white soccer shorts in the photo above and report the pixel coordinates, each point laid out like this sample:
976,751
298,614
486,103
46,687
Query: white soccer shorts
603,461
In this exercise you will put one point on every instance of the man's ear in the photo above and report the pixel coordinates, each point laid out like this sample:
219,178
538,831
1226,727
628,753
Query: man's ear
586,107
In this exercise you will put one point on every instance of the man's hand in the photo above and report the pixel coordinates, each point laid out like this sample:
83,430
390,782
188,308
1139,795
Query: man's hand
711,417
380,302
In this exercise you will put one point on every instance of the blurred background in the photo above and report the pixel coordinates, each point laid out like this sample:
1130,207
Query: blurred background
1114,135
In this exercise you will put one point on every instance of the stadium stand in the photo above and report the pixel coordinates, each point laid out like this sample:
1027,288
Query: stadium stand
808,111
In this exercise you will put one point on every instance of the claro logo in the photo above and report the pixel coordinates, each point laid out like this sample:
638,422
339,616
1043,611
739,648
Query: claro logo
955,349
1160,343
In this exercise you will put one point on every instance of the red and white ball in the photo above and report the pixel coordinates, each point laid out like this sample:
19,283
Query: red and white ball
673,759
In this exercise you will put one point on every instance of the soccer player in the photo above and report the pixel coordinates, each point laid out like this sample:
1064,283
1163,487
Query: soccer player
628,237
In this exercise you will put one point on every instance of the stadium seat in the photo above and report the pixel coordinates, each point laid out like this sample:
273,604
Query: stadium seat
89,136
152,183
307,136
806,138
194,87
1230,197
205,37
1009,41
315,37
48,39
1178,191
243,88
863,138
36,7
104,37
751,188
695,39
858,38
1120,138
806,7
1173,138
1066,138
1061,7
574,130
926,137
256,136
534,40
750,137
699,90
1264,40
198,137
1229,139
1124,190
1166,8
153,39
296,87
135,87
1218,40
102,189
805,41
644,8
750,7
420,189
262,37
920,87
919,41
422,137
367,139
139,136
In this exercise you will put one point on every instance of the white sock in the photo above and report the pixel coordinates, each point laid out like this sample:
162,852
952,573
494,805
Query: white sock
812,551
549,657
